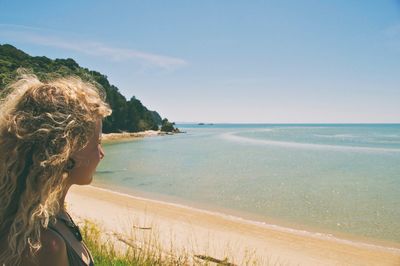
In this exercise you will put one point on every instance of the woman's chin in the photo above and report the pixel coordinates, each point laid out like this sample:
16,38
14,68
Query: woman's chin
85,181
89,180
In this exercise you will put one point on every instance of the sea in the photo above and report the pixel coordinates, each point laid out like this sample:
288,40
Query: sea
339,180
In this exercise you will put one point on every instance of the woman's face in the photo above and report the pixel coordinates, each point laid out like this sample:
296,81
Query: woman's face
87,159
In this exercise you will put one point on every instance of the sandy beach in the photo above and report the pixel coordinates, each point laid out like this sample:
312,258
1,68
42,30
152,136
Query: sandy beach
199,232
114,137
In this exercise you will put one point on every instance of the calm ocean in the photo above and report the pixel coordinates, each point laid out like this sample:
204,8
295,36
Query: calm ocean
336,179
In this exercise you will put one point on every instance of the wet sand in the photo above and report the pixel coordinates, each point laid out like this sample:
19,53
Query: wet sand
206,233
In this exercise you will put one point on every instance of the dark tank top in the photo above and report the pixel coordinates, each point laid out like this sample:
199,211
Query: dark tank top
73,258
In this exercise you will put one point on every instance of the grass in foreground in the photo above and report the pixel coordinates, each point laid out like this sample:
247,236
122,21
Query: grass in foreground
117,250
106,251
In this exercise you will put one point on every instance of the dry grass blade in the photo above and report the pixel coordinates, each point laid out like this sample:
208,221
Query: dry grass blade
142,228
223,262
126,241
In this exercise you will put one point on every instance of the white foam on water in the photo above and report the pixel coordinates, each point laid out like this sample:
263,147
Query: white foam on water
336,136
275,227
309,146
395,136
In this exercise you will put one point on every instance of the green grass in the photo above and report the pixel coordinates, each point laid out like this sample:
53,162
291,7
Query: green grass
106,250
115,249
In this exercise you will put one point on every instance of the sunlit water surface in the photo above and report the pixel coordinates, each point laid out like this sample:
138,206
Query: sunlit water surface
332,178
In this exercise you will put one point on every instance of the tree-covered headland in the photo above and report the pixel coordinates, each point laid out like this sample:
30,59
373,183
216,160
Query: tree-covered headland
128,115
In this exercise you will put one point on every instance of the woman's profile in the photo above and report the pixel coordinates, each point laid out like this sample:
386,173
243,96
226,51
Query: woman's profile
49,140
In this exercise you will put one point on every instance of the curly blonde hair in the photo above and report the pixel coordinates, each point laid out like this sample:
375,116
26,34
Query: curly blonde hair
41,125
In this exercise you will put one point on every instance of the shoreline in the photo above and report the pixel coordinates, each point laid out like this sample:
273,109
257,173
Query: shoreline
340,237
249,217
108,138
126,136
274,242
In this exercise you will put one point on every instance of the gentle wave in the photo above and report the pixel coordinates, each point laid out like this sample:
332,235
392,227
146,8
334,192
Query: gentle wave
394,136
336,136
310,146
275,227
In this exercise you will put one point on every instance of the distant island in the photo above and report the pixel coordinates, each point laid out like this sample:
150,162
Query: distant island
127,116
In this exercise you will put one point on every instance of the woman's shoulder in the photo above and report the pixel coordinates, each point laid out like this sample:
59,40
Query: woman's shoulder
52,252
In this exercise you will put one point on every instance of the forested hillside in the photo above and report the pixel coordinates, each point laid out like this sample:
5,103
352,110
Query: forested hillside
128,115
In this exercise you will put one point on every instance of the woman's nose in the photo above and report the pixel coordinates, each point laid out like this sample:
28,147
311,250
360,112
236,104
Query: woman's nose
102,154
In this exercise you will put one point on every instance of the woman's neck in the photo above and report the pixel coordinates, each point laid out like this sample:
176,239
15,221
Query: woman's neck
62,199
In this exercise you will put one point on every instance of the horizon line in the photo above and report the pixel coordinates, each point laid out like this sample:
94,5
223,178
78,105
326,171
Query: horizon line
294,123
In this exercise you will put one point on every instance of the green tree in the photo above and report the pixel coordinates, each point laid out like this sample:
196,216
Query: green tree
167,126
129,115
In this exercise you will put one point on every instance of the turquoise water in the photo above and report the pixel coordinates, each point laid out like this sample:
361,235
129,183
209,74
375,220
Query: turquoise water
332,178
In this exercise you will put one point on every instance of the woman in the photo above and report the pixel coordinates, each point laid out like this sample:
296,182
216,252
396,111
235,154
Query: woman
49,140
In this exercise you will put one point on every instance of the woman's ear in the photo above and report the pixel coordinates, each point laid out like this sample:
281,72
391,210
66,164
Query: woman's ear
70,164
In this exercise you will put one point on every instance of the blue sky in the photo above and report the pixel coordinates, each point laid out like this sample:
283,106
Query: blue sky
228,61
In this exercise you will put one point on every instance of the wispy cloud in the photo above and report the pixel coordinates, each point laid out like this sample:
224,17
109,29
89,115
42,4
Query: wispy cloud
37,37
